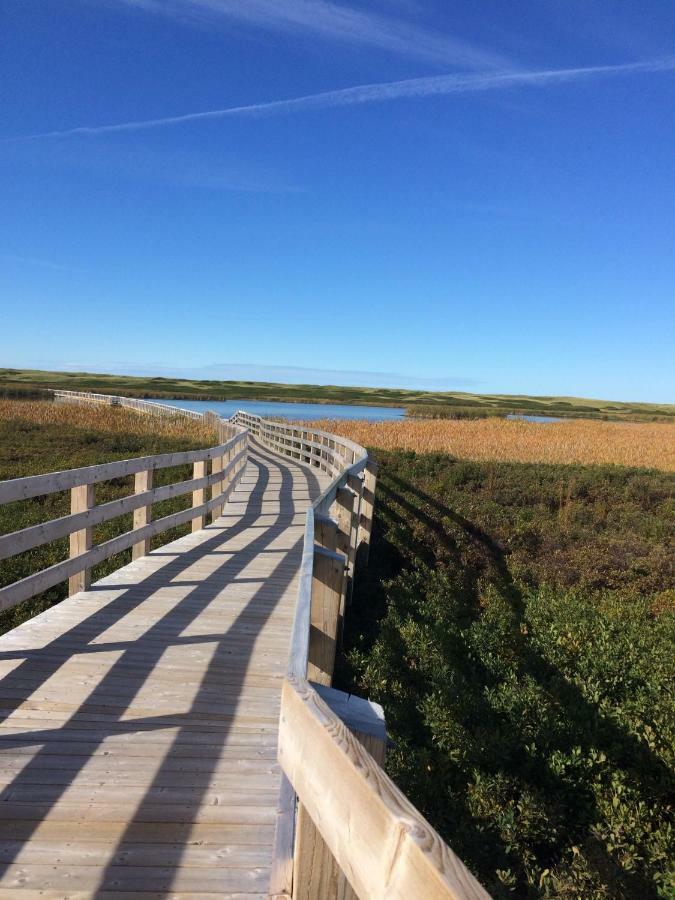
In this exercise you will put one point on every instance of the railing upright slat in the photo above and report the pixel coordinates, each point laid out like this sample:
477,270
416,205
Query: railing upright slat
81,500
143,516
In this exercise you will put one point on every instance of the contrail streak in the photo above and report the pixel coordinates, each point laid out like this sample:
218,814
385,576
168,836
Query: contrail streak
437,85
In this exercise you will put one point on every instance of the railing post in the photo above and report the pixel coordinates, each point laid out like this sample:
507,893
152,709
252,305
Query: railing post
199,470
217,465
81,499
355,482
328,575
143,515
344,510
367,511
316,874
325,532
346,513
228,476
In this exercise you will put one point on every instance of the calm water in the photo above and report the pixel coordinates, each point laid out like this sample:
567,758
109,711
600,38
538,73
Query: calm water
535,418
301,411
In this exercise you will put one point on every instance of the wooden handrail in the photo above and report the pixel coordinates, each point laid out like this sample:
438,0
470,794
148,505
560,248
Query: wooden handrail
45,532
387,850
46,578
228,460
146,406
50,483
362,827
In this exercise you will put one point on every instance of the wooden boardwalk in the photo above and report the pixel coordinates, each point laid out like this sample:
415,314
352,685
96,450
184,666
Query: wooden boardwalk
138,744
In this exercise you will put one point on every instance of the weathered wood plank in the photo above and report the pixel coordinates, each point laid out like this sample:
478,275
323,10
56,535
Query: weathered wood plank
316,872
327,580
142,515
380,841
81,500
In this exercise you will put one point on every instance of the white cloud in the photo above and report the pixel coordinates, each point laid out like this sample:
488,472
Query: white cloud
437,85
331,21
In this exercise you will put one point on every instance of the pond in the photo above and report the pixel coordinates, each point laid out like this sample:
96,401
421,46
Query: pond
542,419
299,411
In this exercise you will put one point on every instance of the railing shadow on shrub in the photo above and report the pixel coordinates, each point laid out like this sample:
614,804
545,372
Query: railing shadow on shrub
502,749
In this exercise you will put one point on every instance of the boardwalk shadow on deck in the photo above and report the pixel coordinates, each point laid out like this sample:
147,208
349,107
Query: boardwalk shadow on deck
138,661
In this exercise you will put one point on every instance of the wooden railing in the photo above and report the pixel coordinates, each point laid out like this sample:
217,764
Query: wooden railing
226,460
328,452
146,406
344,829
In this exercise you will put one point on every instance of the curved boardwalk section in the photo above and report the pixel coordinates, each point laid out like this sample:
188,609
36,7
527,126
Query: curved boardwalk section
138,746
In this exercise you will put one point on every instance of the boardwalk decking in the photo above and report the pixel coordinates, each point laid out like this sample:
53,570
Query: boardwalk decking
138,738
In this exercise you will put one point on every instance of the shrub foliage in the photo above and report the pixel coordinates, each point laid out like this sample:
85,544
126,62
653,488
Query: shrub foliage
516,622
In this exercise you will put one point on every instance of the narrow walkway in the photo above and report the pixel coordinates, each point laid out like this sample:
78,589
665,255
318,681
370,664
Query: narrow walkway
138,728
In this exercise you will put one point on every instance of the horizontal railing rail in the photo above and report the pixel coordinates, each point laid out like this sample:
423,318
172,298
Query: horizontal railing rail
51,482
343,827
146,406
328,452
226,460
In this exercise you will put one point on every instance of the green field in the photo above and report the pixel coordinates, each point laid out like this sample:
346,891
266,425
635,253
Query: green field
19,382
517,624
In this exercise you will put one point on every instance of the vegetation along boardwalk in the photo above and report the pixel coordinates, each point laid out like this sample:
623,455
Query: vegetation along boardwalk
170,730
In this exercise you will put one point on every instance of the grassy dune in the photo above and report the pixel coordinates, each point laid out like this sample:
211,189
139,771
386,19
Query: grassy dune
419,403
645,445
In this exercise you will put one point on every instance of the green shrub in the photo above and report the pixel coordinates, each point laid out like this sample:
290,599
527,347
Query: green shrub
516,623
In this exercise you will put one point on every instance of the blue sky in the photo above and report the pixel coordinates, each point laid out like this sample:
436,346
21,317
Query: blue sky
469,195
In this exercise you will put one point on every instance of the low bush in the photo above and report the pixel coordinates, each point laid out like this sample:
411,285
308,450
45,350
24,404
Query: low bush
517,624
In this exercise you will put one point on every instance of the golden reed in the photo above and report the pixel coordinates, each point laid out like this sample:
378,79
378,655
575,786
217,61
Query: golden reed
648,445
106,418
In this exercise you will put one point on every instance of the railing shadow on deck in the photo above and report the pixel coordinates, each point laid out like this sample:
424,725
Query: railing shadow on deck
139,660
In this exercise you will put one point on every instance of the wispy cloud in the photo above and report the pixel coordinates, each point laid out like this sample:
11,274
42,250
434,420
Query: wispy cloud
331,21
434,86
42,263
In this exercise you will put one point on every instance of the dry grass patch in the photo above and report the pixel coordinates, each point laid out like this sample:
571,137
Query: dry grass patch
114,420
42,436
576,441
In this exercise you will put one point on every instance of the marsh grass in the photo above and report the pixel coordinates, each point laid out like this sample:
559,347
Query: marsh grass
132,428
640,445
39,436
